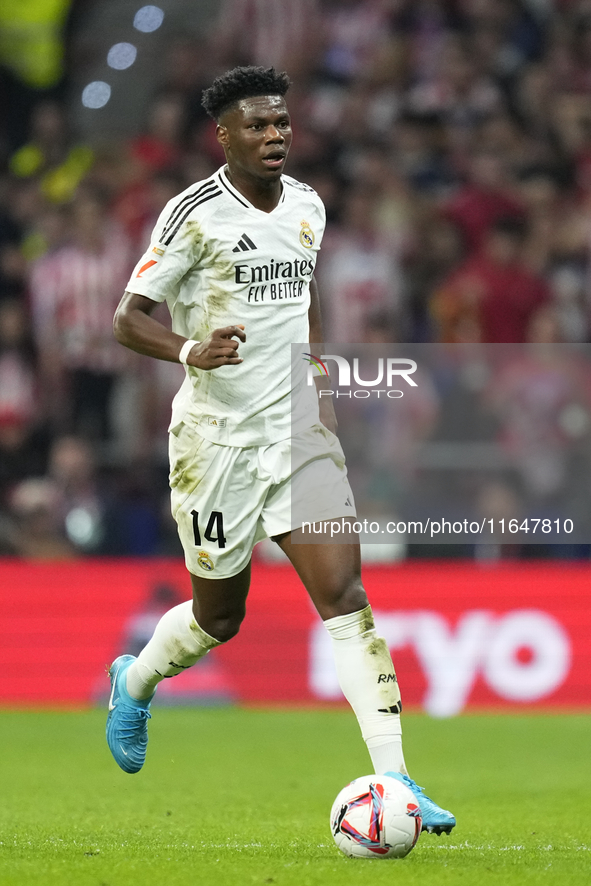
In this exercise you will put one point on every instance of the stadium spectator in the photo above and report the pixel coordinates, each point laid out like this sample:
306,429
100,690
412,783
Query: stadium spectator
74,293
18,378
80,506
542,398
263,32
487,197
359,274
150,154
569,298
34,530
352,31
99,516
419,154
11,264
493,296
159,146
50,155
457,91
22,441
437,251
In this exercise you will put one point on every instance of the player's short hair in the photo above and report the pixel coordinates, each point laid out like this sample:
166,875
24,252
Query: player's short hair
242,82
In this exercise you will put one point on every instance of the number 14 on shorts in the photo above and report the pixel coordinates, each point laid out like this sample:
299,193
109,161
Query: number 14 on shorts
215,522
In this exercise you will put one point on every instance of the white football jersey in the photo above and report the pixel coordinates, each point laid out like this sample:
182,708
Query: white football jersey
219,261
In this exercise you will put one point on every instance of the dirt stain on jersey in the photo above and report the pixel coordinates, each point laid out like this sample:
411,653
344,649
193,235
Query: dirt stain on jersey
219,294
206,255
218,299
189,464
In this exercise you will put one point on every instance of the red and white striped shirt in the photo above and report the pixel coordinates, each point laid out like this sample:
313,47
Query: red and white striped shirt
74,295
18,389
268,32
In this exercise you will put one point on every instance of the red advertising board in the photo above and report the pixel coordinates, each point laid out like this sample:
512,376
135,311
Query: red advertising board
462,635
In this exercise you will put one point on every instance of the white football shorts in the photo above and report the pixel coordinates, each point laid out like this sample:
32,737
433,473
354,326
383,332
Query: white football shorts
225,499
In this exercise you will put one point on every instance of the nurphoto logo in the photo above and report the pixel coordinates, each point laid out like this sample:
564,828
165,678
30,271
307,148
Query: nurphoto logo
389,371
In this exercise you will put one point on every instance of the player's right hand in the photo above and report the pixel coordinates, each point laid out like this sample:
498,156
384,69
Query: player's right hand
218,349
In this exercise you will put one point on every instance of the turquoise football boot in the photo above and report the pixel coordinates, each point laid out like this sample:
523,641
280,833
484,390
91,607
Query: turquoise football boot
127,722
435,819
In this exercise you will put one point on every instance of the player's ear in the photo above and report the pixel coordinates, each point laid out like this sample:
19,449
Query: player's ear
222,135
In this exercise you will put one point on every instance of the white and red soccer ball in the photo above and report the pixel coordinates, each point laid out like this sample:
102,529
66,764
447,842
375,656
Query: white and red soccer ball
376,816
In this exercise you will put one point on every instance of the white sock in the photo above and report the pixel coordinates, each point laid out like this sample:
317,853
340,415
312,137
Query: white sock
178,642
368,680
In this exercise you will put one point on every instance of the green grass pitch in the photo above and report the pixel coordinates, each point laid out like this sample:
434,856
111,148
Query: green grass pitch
232,797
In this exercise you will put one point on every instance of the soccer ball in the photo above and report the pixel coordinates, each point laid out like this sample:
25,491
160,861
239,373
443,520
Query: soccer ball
375,816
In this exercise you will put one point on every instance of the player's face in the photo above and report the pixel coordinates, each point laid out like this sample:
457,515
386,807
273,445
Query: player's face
256,136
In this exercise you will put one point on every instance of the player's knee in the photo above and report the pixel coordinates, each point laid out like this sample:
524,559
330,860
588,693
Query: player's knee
344,596
353,596
223,628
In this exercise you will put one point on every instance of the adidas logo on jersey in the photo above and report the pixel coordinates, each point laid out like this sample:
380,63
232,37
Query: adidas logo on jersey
244,244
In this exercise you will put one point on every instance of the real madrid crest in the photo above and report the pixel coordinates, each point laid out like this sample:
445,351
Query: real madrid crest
306,235
205,561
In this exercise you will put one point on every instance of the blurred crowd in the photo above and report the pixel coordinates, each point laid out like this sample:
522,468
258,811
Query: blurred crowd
451,143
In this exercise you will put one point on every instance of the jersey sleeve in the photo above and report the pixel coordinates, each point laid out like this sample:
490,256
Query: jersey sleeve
322,213
171,253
